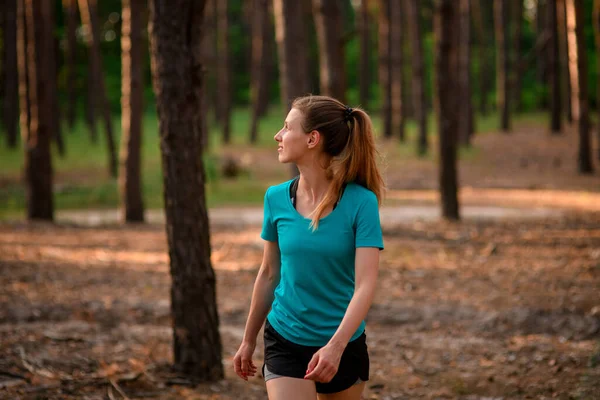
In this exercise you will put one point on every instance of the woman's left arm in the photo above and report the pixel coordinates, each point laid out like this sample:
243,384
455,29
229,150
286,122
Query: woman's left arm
325,362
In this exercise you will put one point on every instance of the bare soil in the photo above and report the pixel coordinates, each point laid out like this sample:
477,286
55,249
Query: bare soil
502,308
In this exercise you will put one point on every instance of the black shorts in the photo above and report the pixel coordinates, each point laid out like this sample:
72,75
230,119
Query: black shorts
289,359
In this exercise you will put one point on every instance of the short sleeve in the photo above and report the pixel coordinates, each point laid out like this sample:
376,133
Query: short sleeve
368,225
269,230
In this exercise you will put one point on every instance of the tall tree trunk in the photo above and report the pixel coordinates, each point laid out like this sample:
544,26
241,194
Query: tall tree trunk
329,27
209,56
396,62
564,58
363,28
89,17
91,99
579,89
518,27
445,103
596,24
465,118
223,70
70,8
541,26
52,75
502,64
10,74
259,80
175,31
132,95
385,71
34,30
554,69
418,71
483,57
292,49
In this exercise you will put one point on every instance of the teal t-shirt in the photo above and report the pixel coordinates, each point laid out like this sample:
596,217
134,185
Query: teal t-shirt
317,268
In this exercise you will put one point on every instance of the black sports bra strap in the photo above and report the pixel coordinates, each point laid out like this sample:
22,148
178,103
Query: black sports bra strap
294,190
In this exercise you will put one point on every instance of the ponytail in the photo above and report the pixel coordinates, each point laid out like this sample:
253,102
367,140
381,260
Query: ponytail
349,139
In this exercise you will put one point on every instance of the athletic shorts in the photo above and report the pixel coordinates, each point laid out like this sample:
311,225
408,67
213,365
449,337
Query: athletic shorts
288,359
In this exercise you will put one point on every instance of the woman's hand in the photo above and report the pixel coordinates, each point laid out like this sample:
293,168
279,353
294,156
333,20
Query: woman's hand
242,362
325,363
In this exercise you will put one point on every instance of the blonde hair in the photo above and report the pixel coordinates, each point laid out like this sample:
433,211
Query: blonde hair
348,137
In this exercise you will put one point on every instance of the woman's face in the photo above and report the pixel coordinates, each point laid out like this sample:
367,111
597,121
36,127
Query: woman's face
293,141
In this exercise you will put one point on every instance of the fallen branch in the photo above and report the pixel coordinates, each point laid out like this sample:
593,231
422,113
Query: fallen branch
118,389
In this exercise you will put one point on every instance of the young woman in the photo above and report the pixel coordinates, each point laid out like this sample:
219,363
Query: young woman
322,240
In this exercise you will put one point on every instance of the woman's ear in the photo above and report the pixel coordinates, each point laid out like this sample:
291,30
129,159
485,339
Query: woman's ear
314,138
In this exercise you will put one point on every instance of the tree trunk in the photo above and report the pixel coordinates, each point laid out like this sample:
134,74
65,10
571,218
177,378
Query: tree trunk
91,99
483,58
259,80
518,27
175,29
209,57
579,89
52,75
223,70
34,30
502,64
329,27
385,75
364,81
418,72
554,69
564,58
465,117
596,24
541,25
446,85
70,9
395,66
132,94
89,18
10,74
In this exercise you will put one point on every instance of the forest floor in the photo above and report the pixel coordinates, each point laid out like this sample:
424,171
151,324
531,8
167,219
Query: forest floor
503,305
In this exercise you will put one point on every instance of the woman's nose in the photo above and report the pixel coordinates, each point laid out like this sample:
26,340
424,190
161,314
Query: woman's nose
277,136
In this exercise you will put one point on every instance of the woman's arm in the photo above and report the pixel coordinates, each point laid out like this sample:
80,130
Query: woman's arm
325,362
262,298
264,287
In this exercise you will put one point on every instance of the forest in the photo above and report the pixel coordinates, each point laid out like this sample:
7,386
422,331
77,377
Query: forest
136,146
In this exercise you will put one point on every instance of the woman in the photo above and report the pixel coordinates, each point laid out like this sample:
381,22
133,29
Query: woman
322,240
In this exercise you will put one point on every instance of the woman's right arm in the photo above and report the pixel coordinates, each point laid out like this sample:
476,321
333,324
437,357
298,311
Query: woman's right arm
262,298
263,293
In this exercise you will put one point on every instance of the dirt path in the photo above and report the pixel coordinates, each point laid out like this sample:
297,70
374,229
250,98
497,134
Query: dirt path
484,309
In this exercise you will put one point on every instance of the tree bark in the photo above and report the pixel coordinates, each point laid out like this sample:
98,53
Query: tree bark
554,69
260,45
515,88
70,9
465,118
34,30
329,26
564,58
484,63
445,103
10,74
596,24
51,43
175,31
418,71
502,64
132,95
541,25
396,62
364,70
223,70
579,89
385,74
89,18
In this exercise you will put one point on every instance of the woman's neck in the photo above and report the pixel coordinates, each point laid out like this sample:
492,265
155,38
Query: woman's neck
313,183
